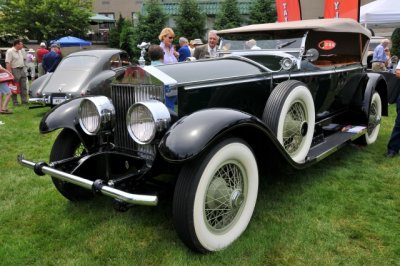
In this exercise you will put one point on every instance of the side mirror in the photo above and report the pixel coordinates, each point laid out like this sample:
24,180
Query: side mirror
312,54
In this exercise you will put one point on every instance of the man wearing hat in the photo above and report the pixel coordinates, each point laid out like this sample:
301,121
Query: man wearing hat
40,52
193,44
30,63
52,59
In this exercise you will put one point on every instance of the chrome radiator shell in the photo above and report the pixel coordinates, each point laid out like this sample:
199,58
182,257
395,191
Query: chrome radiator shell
123,96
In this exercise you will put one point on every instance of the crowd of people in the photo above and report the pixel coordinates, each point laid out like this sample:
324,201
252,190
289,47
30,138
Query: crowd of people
20,64
195,48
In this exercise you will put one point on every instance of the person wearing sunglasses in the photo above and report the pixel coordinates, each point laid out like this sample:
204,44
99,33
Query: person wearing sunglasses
166,37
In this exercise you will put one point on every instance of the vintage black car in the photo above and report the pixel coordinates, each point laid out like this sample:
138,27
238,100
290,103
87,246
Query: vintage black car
87,72
214,124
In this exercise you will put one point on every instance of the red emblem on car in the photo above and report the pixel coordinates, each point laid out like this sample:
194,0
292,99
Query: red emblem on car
326,45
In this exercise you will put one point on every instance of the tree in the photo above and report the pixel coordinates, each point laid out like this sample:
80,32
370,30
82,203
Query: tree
46,19
262,11
150,24
396,42
114,35
126,38
228,16
190,22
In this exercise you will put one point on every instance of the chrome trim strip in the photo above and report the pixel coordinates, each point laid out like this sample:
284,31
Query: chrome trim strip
319,72
264,76
225,81
130,198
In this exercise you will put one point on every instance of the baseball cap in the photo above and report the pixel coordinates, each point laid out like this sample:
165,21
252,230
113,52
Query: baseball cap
42,44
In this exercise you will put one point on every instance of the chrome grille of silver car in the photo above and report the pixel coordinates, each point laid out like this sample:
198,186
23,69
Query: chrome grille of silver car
123,96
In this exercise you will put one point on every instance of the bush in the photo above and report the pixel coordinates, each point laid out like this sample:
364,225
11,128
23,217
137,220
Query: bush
396,42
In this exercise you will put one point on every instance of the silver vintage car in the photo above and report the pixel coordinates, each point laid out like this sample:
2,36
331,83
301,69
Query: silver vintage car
88,72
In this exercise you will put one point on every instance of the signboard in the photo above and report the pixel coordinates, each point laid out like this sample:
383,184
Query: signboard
342,9
288,10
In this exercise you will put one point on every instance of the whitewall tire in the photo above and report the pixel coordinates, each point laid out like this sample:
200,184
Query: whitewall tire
215,196
290,114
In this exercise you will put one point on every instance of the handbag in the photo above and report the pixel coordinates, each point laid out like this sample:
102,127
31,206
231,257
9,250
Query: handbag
5,75
14,87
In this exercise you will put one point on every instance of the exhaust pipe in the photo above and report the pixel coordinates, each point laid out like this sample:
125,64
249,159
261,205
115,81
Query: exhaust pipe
42,168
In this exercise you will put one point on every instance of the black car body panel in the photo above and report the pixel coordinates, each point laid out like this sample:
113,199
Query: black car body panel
192,134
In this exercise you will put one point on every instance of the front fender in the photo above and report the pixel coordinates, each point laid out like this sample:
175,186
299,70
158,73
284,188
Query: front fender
376,82
38,85
190,135
64,115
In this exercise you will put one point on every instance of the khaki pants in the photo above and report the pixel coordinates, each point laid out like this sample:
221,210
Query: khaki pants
40,70
20,77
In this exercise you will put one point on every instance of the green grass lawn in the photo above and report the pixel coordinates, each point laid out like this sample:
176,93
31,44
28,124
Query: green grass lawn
344,210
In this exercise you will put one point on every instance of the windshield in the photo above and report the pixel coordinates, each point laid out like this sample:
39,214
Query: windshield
260,41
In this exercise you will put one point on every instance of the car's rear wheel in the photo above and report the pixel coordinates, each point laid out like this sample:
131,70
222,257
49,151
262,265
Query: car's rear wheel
290,114
374,120
67,145
215,196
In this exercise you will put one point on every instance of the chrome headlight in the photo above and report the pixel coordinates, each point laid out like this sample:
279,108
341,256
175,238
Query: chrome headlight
96,114
287,63
145,119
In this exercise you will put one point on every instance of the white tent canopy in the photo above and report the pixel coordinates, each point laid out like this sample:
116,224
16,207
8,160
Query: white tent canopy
380,14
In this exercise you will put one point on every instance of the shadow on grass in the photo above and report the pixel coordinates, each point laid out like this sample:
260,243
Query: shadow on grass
280,180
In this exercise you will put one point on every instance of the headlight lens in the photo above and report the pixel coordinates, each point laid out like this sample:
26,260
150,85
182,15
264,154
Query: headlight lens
144,119
96,114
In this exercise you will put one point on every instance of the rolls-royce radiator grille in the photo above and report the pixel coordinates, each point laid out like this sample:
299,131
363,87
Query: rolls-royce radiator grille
123,96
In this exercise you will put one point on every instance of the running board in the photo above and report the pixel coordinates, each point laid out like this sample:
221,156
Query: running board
333,143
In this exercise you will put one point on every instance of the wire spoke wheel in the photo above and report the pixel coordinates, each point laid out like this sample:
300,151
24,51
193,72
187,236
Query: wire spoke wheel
293,128
215,196
224,197
290,114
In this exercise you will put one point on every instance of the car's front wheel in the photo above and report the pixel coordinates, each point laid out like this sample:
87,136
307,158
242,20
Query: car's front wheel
290,114
215,196
67,145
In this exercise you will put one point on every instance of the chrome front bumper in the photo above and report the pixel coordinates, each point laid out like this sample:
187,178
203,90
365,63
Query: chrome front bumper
43,168
39,101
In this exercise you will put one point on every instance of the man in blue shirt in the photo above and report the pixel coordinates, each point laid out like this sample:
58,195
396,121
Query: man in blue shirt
379,59
52,59
184,51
